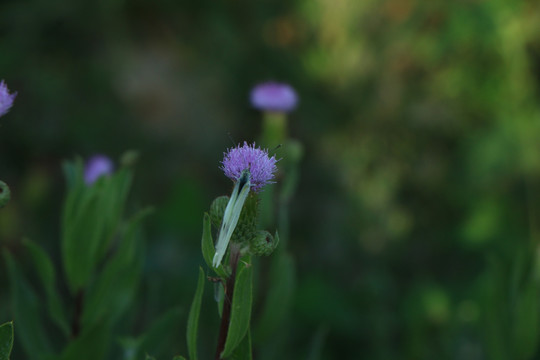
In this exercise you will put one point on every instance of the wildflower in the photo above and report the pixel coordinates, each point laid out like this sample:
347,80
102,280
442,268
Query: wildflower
251,168
97,166
274,97
247,157
6,99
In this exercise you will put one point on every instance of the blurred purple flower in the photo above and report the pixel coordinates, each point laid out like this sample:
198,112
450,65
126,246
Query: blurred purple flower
256,160
273,96
96,166
6,99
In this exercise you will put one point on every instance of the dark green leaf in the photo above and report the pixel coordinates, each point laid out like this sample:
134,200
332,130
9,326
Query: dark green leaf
241,308
526,326
27,313
153,339
115,287
6,340
193,318
46,272
279,296
91,344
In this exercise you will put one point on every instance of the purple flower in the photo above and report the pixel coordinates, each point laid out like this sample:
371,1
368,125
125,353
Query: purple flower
273,96
6,99
256,160
96,166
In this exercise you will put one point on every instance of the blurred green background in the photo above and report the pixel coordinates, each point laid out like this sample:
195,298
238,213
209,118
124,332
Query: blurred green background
420,121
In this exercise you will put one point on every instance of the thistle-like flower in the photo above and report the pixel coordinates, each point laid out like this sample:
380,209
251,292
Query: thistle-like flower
248,157
251,168
274,97
97,166
6,99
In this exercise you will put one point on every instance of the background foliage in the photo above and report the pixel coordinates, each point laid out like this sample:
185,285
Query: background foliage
420,121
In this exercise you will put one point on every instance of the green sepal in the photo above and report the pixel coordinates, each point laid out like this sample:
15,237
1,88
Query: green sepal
217,209
247,223
263,243
240,308
6,340
193,317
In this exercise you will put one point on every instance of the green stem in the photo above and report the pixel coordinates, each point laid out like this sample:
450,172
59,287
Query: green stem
76,324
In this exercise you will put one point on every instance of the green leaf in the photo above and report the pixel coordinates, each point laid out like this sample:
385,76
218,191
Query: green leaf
279,297
46,272
526,325
178,357
208,249
91,344
241,308
82,230
6,340
27,313
207,243
90,219
193,318
152,339
243,351
115,287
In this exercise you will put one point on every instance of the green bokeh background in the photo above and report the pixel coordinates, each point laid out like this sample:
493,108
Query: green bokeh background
420,122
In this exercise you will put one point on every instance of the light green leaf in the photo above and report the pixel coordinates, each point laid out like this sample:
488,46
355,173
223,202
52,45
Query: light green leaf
178,357
243,351
6,340
241,308
46,272
207,245
193,318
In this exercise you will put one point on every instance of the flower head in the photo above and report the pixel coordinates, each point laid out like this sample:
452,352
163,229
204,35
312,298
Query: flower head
6,99
97,166
273,96
248,157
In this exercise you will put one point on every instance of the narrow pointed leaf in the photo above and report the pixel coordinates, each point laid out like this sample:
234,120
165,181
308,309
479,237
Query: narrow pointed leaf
27,313
193,318
241,308
6,340
279,296
47,274
207,245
